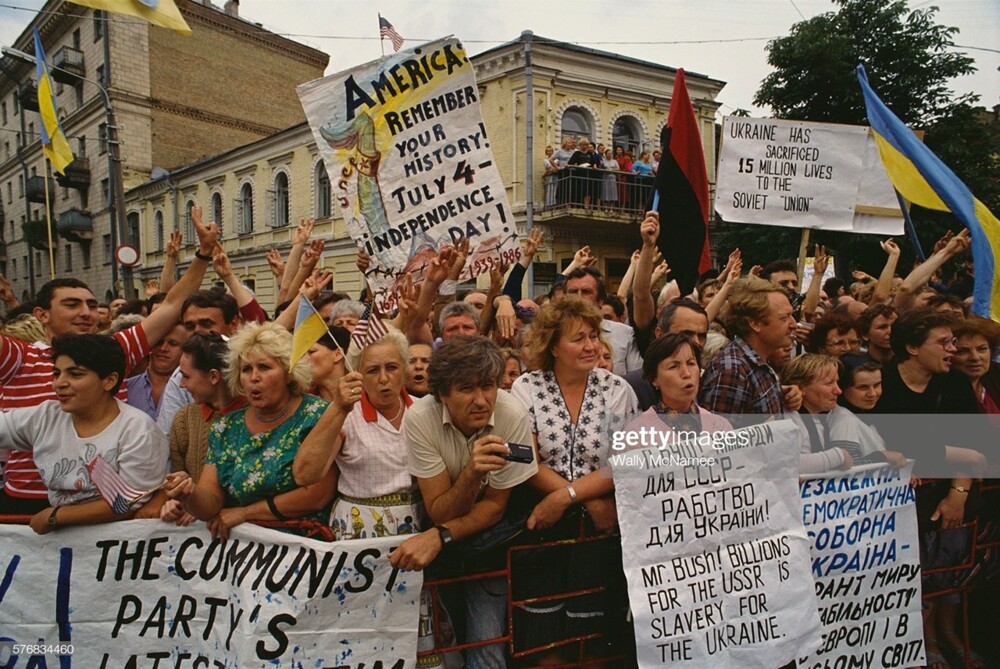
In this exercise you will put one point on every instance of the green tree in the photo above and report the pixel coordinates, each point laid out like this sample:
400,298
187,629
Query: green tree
909,59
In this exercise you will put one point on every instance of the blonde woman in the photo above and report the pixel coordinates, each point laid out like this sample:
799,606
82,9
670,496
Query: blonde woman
248,468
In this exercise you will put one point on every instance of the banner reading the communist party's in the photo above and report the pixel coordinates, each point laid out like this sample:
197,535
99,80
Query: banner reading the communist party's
144,593
410,163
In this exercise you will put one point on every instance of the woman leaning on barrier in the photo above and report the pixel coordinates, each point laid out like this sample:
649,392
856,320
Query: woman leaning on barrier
574,408
248,469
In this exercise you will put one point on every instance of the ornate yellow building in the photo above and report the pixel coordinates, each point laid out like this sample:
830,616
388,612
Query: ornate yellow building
259,191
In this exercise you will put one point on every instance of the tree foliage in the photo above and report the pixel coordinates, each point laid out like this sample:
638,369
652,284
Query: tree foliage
910,60
907,55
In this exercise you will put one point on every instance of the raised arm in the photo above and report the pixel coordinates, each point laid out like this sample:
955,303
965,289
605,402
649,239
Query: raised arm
820,262
434,276
625,287
732,272
169,270
160,322
220,261
643,307
310,291
883,289
320,448
923,272
299,240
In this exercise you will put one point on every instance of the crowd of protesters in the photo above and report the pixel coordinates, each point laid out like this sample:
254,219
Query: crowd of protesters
413,434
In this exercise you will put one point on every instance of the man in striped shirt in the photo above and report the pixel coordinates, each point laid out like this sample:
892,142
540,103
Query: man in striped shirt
66,306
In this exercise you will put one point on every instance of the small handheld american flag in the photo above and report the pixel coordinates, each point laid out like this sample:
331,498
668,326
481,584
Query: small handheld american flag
386,29
369,329
113,488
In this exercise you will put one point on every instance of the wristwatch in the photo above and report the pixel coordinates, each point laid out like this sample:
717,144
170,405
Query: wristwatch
445,534
52,517
960,488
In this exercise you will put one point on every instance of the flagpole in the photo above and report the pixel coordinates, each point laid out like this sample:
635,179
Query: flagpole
48,222
381,40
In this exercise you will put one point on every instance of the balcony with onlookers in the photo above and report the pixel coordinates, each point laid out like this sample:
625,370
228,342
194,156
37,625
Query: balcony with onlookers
595,195
68,65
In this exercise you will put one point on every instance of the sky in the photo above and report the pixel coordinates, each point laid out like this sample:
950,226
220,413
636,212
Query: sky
723,39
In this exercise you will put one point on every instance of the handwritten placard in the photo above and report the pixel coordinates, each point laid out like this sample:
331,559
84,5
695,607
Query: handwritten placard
803,175
143,593
714,550
410,163
866,562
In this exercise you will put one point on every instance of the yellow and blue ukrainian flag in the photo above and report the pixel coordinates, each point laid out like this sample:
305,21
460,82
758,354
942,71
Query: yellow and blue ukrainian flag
923,179
309,327
53,140
162,13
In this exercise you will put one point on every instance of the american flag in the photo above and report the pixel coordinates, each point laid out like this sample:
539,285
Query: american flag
113,488
385,29
369,329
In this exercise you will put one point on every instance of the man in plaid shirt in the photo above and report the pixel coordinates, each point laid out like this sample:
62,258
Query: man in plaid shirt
739,380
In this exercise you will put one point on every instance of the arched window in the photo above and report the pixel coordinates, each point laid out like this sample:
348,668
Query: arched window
244,209
322,185
279,201
216,216
576,122
189,235
627,134
158,229
132,220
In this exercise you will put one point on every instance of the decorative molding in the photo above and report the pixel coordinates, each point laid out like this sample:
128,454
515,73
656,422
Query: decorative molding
631,113
595,119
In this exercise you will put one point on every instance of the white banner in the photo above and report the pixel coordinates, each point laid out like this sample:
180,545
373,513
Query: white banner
141,593
715,554
410,163
804,175
866,562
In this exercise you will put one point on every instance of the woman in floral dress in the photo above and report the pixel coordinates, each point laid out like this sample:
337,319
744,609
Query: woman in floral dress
248,468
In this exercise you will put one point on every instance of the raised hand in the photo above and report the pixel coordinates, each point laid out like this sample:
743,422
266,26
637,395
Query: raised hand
276,263
890,247
174,244
820,260
303,231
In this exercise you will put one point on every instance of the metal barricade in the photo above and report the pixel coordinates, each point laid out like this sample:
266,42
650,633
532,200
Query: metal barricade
522,656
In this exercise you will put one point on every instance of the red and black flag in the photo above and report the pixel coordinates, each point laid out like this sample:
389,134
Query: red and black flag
682,183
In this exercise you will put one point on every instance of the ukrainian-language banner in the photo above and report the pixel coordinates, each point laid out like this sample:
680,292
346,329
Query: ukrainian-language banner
143,594
714,550
866,562
410,163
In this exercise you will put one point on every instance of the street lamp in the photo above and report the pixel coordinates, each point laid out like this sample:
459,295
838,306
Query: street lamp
116,198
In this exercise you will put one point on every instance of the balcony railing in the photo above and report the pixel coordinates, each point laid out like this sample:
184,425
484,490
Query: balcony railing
75,225
617,194
34,189
68,65
77,175
27,96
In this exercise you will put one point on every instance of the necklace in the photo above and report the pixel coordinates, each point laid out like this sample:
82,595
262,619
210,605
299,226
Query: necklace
256,413
402,405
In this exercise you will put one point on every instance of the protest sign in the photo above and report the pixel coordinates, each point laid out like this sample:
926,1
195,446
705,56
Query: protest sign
866,562
809,270
137,593
804,175
714,551
410,163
